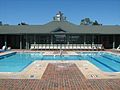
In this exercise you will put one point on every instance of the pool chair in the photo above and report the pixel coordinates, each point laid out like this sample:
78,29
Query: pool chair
4,48
47,46
51,46
44,46
82,46
63,46
55,46
67,46
59,46
100,46
78,46
89,47
9,48
94,47
40,46
32,46
118,47
74,46
85,47
36,46
70,46
1,50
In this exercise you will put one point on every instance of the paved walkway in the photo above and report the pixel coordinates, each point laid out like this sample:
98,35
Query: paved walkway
60,76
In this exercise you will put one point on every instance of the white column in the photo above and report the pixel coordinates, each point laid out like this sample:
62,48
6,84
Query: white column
51,39
26,43
67,39
92,39
113,42
84,39
20,41
34,39
5,43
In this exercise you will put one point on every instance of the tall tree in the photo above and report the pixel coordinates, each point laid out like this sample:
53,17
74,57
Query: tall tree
0,23
22,23
95,23
86,21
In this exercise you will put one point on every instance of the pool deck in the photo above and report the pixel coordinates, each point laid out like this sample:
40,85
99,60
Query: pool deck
60,75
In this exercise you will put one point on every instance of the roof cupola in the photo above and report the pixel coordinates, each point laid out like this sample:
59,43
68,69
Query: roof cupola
59,17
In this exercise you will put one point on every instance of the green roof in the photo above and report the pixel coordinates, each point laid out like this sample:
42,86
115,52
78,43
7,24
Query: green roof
63,25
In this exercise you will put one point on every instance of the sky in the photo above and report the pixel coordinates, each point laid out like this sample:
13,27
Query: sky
38,12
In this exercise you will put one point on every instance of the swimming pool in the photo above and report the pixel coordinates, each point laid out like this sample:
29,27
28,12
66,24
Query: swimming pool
16,62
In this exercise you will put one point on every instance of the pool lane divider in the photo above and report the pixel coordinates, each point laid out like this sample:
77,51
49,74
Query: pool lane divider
7,55
110,59
25,66
104,64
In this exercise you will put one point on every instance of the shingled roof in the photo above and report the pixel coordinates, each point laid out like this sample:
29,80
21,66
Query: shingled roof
63,25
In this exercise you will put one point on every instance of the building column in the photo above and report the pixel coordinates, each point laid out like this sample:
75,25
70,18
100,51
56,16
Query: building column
26,42
84,39
34,39
92,39
67,39
5,43
113,41
20,41
51,39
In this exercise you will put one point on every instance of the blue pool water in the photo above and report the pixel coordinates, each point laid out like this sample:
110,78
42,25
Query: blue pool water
16,62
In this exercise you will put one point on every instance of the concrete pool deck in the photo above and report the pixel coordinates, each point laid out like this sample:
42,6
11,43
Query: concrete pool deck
59,76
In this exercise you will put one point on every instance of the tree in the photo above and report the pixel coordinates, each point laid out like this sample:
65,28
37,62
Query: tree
0,23
86,21
22,23
95,23
82,22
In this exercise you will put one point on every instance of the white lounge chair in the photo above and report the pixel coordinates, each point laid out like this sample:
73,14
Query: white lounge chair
74,46
118,47
67,46
94,47
9,48
44,46
4,47
85,46
47,46
89,46
36,46
82,46
51,46
55,46
32,46
70,46
99,46
59,46
78,46
40,46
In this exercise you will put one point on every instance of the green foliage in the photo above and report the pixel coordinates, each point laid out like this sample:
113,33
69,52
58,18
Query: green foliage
22,23
0,23
87,21
95,23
